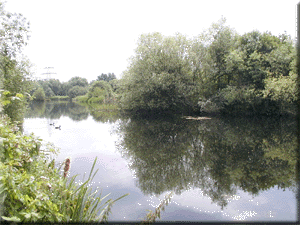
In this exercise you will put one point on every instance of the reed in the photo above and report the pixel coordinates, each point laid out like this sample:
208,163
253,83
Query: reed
83,205
67,167
152,216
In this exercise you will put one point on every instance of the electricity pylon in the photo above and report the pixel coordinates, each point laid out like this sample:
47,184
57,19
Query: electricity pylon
48,73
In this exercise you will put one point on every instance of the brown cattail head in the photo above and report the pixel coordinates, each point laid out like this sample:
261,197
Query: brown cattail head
67,167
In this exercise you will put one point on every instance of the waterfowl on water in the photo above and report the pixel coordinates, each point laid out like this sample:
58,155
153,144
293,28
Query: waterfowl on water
52,124
57,127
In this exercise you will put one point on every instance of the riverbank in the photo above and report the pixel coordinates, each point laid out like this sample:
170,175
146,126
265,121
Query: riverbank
36,191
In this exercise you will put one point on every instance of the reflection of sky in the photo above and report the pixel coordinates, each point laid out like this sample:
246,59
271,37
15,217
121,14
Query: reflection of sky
85,140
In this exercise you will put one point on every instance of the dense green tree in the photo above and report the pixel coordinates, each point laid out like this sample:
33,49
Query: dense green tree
55,86
74,87
106,77
64,89
39,94
78,81
159,76
48,91
258,69
222,40
14,67
115,84
250,73
77,91
100,88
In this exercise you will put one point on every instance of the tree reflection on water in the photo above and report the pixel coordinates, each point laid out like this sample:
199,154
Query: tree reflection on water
219,156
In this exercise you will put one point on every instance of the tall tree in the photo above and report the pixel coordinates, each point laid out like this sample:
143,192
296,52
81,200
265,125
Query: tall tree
160,75
14,68
78,81
222,40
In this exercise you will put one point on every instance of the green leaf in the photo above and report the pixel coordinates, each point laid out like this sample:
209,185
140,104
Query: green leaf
14,218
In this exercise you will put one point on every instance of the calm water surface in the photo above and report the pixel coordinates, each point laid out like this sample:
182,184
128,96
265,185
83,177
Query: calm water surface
219,169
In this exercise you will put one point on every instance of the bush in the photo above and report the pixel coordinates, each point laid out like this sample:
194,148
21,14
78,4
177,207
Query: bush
235,100
39,94
82,98
77,91
100,88
99,99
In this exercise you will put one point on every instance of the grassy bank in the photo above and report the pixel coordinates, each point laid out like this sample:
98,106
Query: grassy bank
59,98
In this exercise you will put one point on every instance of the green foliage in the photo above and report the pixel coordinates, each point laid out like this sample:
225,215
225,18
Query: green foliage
39,94
82,99
100,91
14,105
14,32
115,84
33,189
55,86
78,81
243,99
74,87
282,88
222,40
106,77
52,87
77,91
15,75
172,73
160,76
98,100
14,68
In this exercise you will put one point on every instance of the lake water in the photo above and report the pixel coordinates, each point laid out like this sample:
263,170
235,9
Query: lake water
219,169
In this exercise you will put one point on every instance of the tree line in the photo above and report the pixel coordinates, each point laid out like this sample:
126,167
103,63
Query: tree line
16,83
217,71
76,86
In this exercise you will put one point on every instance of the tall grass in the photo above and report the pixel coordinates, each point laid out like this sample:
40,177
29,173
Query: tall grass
88,206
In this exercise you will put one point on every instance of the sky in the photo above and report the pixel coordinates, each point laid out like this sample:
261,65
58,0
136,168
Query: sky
90,37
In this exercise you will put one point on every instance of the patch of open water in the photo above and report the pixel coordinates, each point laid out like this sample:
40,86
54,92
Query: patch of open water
122,172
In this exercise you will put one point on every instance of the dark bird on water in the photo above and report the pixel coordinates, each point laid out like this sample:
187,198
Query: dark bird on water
57,127
52,124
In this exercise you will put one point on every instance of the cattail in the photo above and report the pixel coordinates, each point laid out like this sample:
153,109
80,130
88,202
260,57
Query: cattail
67,167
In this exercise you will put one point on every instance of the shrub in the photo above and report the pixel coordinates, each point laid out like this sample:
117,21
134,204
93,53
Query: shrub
99,99
77,91
100,88
82,98
39,94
